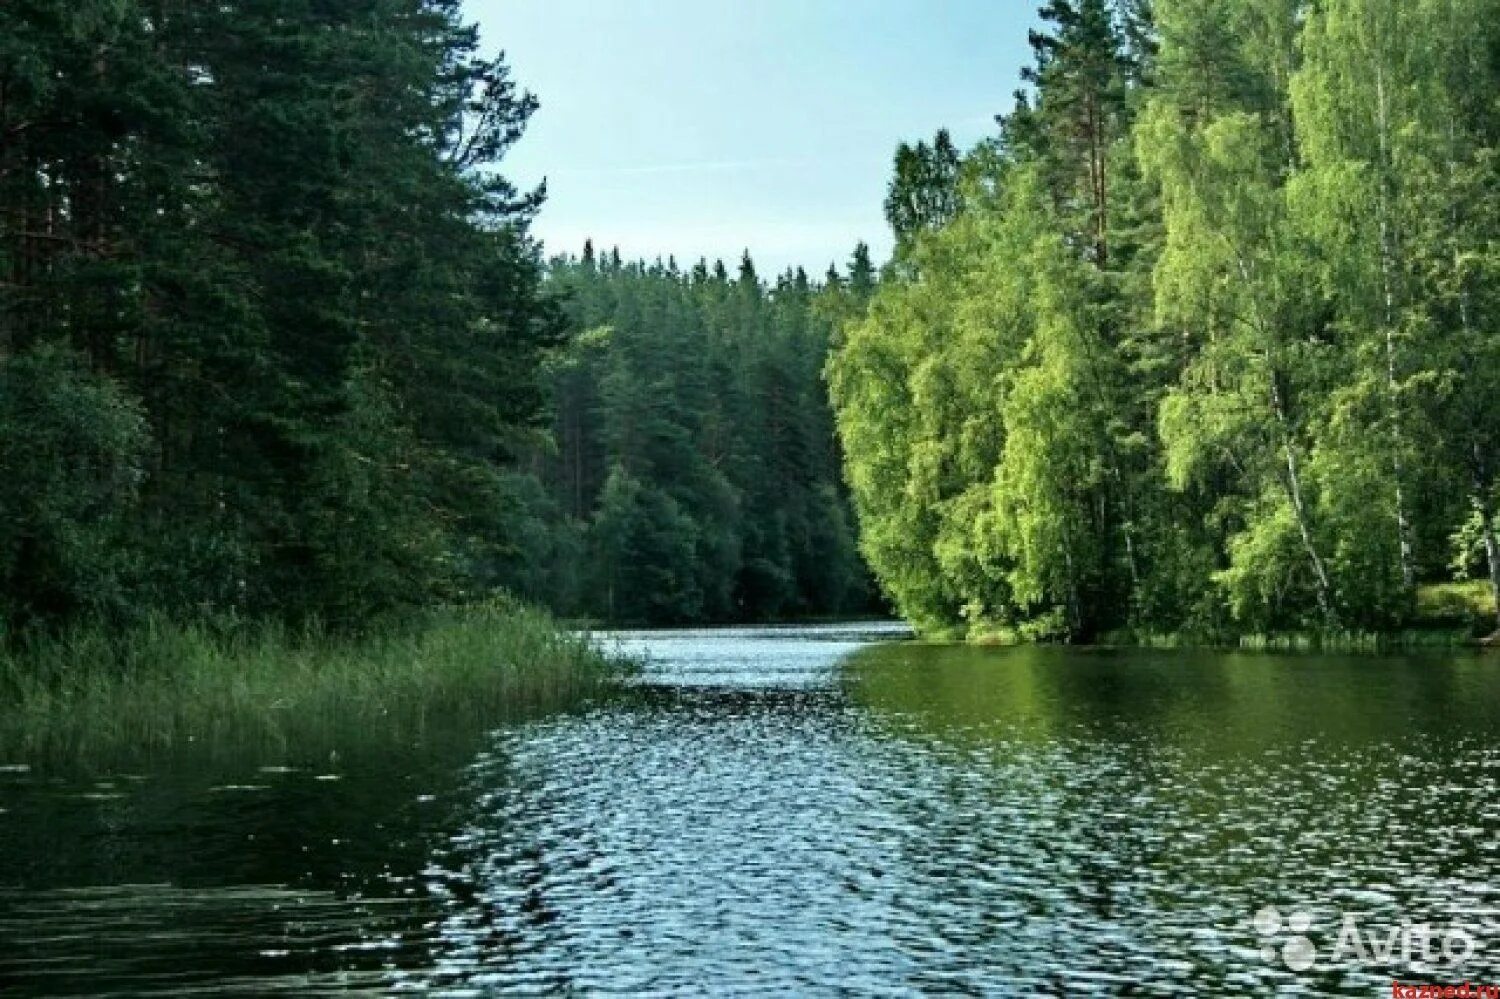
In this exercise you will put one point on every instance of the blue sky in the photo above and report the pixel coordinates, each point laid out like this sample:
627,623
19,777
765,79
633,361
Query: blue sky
705,127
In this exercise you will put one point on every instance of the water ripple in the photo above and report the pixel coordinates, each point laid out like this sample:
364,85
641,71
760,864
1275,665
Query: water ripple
774,812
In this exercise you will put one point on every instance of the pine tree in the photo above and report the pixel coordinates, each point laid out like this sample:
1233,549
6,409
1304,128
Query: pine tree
276,231
1079,75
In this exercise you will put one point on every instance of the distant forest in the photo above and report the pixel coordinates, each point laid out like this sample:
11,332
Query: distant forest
692,472
1206,341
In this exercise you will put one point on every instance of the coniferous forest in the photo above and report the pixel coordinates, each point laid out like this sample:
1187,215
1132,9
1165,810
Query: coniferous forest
271,326
276,342
1206,341
692,472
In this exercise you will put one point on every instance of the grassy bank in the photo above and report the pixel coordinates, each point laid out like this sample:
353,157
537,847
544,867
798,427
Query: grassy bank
167,686
1447,616
1287,641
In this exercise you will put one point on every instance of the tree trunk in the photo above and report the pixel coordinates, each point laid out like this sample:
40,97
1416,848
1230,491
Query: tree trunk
1322,587
1098,189
1075,599
1492,552
1483,490
1388,289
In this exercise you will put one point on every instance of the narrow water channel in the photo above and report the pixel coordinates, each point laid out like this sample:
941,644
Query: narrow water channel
821,810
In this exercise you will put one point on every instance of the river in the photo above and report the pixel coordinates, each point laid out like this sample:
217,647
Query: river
814,810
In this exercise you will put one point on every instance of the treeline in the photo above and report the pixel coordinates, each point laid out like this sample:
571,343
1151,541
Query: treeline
271,325
692,472
1207,340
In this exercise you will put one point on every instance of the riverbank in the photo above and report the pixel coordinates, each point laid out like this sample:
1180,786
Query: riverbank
1446,616
167,686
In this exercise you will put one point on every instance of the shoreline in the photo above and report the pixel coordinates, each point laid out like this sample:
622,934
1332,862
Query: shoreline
167,687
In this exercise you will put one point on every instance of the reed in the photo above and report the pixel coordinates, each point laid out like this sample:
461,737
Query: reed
166,685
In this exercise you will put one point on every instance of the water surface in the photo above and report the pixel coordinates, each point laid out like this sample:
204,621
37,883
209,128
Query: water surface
802,811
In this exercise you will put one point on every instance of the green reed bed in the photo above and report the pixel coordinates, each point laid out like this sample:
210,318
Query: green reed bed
165,685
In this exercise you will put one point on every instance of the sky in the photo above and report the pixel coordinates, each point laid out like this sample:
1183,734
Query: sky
702,128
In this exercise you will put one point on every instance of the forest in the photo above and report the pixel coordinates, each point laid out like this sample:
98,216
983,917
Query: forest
1205,342
270,325
276,344
692,472
1202,342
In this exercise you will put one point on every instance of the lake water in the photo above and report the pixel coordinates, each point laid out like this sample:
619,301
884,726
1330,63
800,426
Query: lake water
809,811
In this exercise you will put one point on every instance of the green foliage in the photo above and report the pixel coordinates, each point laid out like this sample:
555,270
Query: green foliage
270,323
73,448
1469,604
1205,341
692,455
1209,345
924,190
643,545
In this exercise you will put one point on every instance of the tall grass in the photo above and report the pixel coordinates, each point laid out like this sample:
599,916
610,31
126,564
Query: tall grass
166,685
